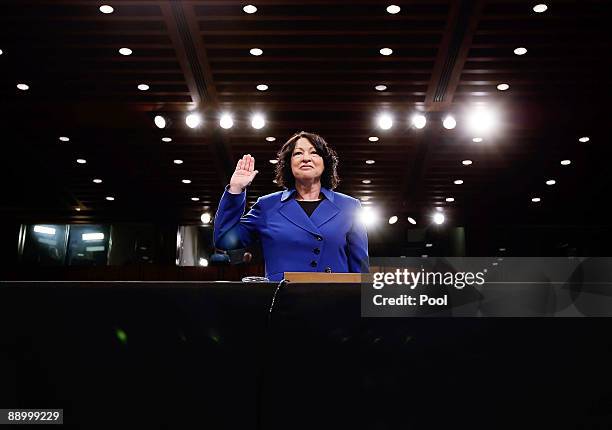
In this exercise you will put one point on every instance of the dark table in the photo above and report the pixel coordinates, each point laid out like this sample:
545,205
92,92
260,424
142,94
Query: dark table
212,355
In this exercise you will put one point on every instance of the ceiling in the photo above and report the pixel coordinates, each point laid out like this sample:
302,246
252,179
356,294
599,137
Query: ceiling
321,63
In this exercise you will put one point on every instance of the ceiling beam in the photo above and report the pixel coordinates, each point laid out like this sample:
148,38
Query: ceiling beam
191,53
462,22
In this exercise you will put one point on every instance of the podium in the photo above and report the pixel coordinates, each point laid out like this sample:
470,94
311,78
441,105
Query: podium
323,278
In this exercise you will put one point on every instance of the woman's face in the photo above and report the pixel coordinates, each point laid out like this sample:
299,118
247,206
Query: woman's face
306,164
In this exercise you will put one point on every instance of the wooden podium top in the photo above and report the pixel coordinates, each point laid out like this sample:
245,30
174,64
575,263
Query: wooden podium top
322,277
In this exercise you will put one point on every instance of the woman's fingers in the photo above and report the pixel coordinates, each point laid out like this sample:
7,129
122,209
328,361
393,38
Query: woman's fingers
246,163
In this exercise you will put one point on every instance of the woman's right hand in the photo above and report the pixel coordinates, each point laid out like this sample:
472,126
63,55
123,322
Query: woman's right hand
243,175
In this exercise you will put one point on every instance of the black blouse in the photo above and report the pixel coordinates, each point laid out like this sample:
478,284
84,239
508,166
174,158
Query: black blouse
309,206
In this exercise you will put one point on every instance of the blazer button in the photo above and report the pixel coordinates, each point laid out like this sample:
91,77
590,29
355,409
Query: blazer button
316,251
313,263
319,238
328,270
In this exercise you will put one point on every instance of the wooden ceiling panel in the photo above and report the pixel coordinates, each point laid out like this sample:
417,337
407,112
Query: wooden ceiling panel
321,62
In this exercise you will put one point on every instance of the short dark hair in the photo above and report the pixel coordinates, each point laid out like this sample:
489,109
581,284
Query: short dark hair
284,176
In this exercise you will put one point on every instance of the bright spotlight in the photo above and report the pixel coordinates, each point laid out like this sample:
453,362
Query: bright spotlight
193,120
438,218
160,121
368,216
385,121
226,121
419,121
250,8
482,121
393,219
205,218
449,122
539,8
106,9
258,121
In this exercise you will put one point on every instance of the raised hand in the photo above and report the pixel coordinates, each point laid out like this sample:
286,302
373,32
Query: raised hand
243,175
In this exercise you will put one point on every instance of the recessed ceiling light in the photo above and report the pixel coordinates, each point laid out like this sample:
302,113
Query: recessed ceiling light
450,199
477,139
520,51
551,182
97,181
143,87
77,209
273,161
226,121
380,87
536,199
449,122
159,121
566,162
166,139
366,181
373,139
195,199
584,139
106,9
438,218
262,87
125,51
458,181
23,87
177,161
393,9
270,138
386,51
258,121
503,87
365,198
110,198
411,220
64,139
81,160
256,52
249,8
193,120
370,161
393,219
428,245
502,249
466,162
385,121
539,8
419,121
186,181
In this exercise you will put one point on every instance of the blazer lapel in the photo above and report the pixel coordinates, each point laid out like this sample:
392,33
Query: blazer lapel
324,212
291,210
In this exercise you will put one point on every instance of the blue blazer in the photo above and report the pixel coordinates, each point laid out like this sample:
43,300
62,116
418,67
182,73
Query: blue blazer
332,239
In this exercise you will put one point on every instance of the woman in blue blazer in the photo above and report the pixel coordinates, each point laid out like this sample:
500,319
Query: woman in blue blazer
308,227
